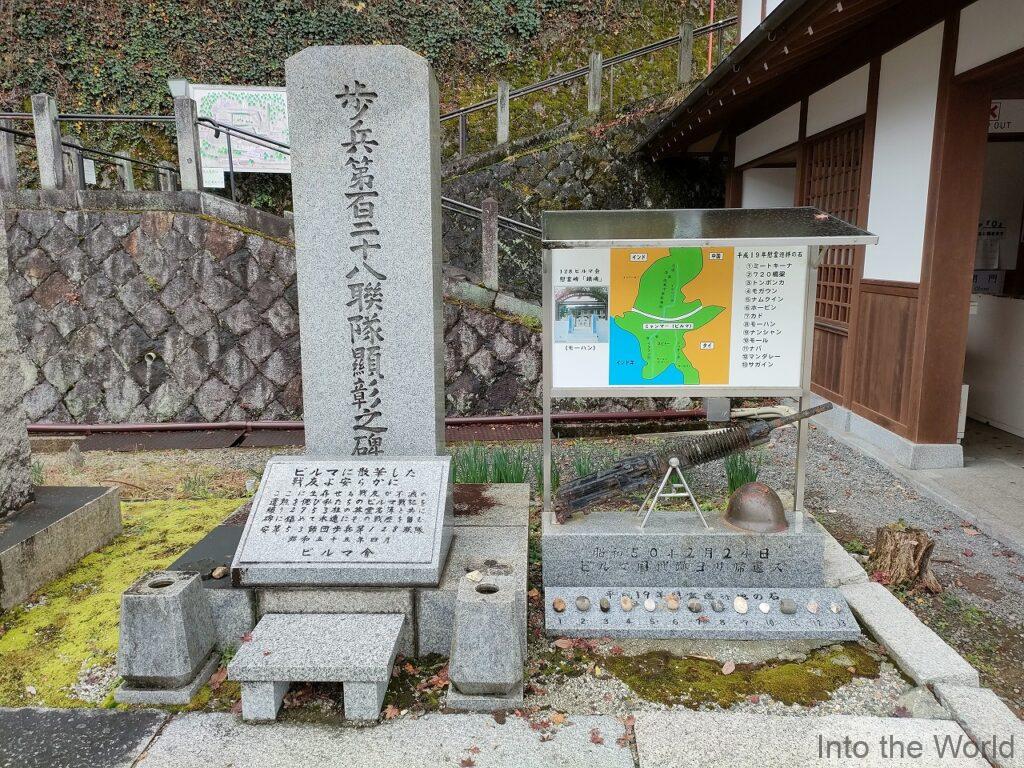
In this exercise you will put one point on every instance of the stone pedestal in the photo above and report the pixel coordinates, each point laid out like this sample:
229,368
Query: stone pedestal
605,576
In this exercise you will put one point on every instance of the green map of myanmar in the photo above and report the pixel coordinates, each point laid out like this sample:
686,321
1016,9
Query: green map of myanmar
649,339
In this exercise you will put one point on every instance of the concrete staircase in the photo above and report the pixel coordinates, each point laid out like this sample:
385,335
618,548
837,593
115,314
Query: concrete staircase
356,650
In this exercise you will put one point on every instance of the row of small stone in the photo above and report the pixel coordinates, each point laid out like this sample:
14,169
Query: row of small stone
672,603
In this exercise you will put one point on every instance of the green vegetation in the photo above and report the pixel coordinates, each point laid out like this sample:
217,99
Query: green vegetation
742,468
694,682
477,463
38,473
69,630
117,57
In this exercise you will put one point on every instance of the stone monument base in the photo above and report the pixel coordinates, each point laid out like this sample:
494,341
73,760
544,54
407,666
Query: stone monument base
490,531
41,541
605,576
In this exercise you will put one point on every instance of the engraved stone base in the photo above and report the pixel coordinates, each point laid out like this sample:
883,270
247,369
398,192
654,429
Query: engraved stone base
723,614
610,549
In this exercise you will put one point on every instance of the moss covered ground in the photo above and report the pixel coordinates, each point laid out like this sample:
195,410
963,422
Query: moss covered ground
67,633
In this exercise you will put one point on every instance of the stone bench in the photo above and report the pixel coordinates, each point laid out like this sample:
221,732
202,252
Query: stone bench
357,650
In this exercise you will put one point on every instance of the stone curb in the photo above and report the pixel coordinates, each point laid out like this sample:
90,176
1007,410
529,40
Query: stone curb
984,716
920,653
840,566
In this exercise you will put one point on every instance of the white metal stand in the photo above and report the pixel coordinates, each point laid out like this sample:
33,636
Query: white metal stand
654,496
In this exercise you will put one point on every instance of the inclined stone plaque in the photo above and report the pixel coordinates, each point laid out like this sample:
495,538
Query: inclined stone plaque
363,123
347,522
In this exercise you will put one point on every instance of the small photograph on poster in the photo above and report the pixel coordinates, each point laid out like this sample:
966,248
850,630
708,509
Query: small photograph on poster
581,315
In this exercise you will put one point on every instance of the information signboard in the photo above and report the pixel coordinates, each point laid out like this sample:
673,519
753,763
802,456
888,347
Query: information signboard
722,316
259,110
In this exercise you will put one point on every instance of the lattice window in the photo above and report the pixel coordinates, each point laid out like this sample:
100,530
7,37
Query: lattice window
832,183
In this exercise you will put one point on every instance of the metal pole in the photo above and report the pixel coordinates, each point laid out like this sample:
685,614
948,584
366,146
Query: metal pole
503,116
48,148
547,332
463,134
231,166
8,158
803,428
594,83
489,243
189,163
684,68
718,45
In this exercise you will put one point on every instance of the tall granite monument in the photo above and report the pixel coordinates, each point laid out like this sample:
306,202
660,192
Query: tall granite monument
366,161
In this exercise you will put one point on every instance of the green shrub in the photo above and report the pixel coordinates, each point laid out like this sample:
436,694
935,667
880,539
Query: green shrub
470,464
508,466
38,472
742,468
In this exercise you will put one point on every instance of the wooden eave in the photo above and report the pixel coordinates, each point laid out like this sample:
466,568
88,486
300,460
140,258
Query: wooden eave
798,49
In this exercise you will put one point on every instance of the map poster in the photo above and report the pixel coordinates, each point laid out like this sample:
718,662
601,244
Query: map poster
259,110
688,316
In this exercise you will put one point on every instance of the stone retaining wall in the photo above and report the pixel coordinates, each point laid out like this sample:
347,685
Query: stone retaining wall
146,307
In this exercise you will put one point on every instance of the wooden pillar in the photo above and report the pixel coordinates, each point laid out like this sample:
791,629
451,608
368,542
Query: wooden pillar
684,66
48,145
950,238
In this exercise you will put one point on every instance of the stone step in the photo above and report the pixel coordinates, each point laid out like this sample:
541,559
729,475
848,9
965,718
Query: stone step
357,650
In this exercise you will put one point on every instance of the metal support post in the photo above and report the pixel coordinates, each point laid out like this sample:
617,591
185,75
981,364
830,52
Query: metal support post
48,148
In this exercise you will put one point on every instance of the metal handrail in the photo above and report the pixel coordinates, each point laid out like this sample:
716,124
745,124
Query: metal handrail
455,206
92,150
91,117
565,77
465,209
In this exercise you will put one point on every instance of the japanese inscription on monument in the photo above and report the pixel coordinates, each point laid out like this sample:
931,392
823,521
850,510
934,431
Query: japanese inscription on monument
365,167
323,514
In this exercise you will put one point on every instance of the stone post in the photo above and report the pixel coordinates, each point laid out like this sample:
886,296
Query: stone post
126,175
190,166
489,243
74,169
503,90
684,71
594,83
463,134
8,159
168,178
48,148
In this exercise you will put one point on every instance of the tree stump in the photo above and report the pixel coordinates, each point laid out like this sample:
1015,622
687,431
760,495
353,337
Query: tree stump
902,557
